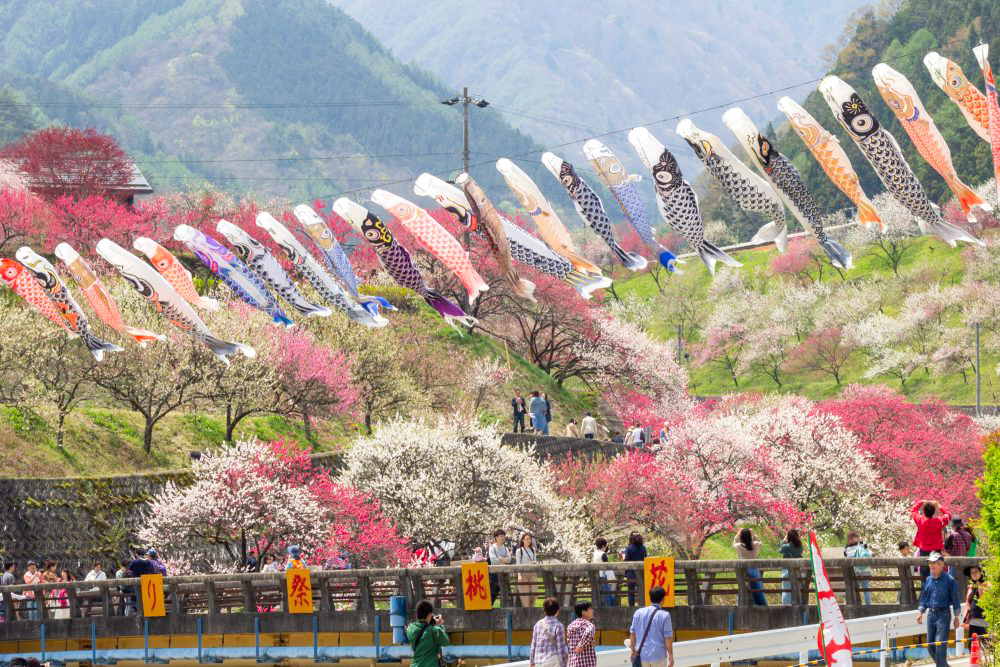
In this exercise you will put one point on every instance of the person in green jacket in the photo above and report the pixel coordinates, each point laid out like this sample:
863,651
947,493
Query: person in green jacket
426,635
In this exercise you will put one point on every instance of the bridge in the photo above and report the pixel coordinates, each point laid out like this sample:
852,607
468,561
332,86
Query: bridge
352,606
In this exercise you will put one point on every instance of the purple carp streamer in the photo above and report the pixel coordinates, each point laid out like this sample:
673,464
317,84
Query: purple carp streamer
322,237
612,174
268,268
238,277
397,261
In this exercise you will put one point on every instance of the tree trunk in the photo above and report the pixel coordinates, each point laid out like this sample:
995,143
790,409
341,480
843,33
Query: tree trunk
368,423
307,426
60,430
230,424
147,436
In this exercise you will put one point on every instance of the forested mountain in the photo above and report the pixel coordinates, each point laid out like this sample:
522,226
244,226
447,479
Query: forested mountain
951,28
223,84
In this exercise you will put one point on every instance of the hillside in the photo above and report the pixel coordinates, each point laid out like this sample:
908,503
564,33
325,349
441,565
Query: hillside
218,90
950,28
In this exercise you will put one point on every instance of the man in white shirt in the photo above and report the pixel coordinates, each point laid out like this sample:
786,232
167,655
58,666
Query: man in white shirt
607,576
96,574
589,427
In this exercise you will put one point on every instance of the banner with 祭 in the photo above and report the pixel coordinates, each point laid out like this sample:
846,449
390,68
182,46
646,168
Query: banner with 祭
237,258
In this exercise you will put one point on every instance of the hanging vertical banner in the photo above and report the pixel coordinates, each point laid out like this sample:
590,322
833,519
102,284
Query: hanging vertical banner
476,586
300,596
153,602
659,572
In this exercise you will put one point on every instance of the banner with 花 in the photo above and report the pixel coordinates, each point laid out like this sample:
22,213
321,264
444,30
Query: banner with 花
300,596
476,586
151,588
660,572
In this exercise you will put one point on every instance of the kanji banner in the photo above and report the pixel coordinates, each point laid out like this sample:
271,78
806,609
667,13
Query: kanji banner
300,596
659,572
153,602
476,586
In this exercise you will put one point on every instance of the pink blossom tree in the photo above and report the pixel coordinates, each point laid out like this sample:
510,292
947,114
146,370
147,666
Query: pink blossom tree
921,451
251,499
826,351
23,216
312,379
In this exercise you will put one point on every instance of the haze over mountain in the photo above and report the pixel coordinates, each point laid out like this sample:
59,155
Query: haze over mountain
563,71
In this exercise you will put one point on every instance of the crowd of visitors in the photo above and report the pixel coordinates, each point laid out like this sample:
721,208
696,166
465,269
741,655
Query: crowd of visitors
538,410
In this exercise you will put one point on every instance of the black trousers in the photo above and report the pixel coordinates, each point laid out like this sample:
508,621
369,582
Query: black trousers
519,421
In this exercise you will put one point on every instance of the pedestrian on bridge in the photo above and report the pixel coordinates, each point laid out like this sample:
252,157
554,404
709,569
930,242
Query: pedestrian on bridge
931,520
538,407
938,599
520,408
656,645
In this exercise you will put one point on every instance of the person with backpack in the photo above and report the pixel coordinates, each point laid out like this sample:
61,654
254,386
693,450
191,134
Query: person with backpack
655,633
548,639
427,636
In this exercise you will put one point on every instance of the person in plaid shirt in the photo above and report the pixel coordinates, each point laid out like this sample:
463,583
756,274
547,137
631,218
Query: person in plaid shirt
548,639
580,637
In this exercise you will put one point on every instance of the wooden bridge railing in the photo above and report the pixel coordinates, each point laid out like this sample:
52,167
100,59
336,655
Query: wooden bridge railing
888,581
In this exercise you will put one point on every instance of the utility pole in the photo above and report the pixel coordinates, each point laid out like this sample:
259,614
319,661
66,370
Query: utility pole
978,374
465,101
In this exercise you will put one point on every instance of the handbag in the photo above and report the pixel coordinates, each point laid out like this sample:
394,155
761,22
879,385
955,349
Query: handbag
637,660
440,658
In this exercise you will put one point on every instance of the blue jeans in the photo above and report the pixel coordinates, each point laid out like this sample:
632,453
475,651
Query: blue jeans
32,607
609,598
938,627
757,587
786,588
865,586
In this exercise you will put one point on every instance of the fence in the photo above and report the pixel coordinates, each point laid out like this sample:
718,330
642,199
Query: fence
708,594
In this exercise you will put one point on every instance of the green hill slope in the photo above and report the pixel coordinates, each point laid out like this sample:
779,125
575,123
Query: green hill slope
221,84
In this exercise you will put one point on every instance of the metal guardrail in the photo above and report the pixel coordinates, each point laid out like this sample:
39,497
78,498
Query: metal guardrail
731,583
769,643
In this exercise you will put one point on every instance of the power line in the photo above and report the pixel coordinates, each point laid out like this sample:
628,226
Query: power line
227,105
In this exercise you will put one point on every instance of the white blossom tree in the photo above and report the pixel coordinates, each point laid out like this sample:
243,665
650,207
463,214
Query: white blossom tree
453,481
891,246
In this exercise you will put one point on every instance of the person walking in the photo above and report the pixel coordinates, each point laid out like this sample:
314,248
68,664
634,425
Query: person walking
790,548
427,636
518,405
572,430
548,639
635,551
939,599
96,574
525,554
637,436
498,554
656,645
607,576
580,637
548,407
536,406
589,426
748,548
